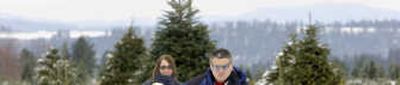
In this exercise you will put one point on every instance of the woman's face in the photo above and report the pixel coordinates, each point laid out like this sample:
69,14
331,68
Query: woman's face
165,68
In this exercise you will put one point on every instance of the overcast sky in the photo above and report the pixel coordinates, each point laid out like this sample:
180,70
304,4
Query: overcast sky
113,10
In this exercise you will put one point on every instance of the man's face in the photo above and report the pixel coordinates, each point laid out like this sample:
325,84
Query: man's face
221,68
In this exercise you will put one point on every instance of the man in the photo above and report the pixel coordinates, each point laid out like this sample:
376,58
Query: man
221,71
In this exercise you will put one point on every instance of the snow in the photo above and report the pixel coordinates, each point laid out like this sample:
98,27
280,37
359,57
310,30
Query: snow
41,78
370,30
290,43
357,30
42,34
265,74
359,81
345,30
5,83
55,65
40,60
77,34
280,54
322,45
292,61
157,84
108,67
109,55
263,80
39,68
28,35
301,29
274,67
392,82
130,80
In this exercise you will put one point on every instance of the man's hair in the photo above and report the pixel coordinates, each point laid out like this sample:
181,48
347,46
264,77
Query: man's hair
220,53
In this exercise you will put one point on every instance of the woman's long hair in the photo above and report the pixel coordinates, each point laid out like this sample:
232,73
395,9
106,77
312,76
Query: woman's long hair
171,62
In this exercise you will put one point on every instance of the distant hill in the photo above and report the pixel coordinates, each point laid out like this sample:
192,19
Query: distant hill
320,12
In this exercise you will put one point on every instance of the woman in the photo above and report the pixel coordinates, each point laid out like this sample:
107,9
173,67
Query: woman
164,72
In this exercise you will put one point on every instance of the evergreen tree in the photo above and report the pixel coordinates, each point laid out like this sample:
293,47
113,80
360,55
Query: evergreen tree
359,66
371,70
284,62
398,81
126,65
55,70
183,37
374,70
102,65
356,70
394,71
28,63
304,62
249,76
367,68
65,50
83,57
340,71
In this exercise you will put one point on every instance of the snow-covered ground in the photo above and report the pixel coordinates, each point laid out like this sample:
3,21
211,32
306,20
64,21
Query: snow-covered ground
349,82
370,82
263,81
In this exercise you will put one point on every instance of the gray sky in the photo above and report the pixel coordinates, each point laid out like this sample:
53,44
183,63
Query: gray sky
113,10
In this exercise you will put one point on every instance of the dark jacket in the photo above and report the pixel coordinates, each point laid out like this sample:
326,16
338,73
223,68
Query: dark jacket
237,77
165,80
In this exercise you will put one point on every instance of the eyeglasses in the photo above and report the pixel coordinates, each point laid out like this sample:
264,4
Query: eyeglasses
220,67
165,67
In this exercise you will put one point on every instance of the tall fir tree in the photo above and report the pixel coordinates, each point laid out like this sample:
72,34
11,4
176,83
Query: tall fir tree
126,65
394,71
83,57
65,50
398,81
102,65
28,62
304,62
367,68
183,37
359,64
340,70
372,70
284,62
54,69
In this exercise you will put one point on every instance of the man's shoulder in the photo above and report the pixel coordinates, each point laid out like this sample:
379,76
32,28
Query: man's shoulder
196,80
